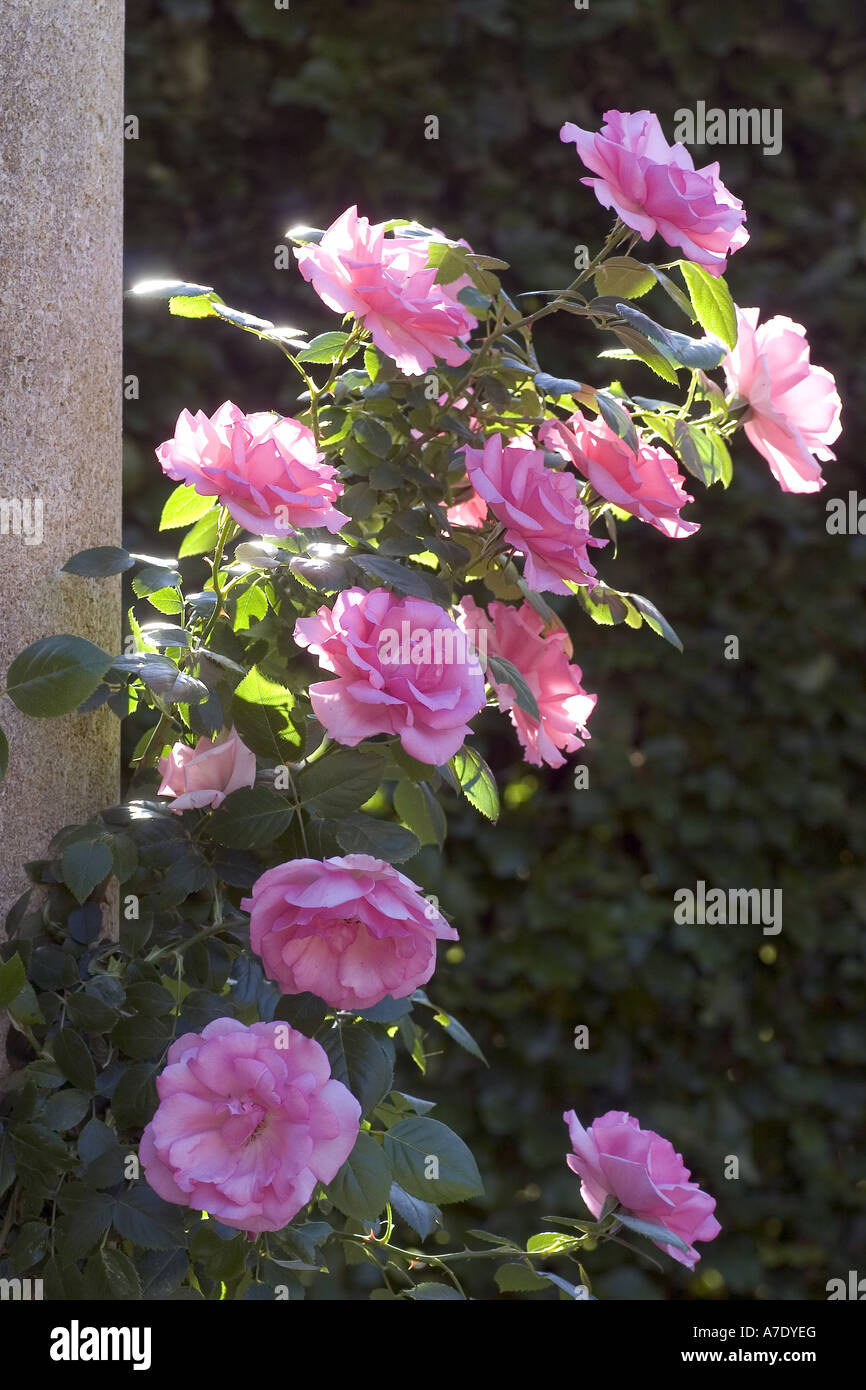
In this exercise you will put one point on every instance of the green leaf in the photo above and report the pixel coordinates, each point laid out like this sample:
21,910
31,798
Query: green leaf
418,809
262,712
399,578
362,834
372,363
100,561
135,1098
192,306
431,1162
72,1056
506,673
617,419
41,1152
638,346
459,1034
423,1217
184,506
154,579
361,1187
362,1060
624,277
557,385
325,348
341,782
711,301
109,1274
65,1109
250,817
13,978
89,1219
202,537
54,675
659,1234
144,1218
429,1292
703,452
476,781
518,1278
551,1243
84,865
372,435
477,303
704,353
141,1037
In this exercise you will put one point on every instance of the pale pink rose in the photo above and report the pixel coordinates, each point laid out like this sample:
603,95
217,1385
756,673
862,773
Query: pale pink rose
517,634
648,485
249,1122
385,283
350,930
539,507
655,187
472,513
795,407
265,468
616,1158
204,775
403,667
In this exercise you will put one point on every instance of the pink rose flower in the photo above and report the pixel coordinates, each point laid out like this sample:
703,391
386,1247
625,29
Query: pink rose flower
403,667
517,634
655,187
350,930
386,285
795,407
544,517
265,468
616,1158
472,513
249,1121
649,485
204,775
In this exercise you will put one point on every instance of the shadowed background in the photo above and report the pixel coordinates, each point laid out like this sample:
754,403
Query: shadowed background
743,773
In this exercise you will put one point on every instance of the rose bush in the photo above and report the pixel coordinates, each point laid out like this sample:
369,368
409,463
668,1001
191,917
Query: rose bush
236,1042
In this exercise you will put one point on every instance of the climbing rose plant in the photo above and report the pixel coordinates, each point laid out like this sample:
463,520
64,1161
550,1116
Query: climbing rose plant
218,1097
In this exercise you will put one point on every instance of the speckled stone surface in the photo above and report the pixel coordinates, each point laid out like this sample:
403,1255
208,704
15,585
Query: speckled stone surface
61,159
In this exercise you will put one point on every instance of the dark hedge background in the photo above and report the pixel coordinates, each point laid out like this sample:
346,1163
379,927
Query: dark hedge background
743,773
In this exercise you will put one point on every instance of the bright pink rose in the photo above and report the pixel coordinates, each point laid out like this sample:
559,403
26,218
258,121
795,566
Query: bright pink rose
349,930
265,468
517,634
403,667
472,513
204,775
655,187
249,1121
540,509
795,407
616,1158
386,284
648,485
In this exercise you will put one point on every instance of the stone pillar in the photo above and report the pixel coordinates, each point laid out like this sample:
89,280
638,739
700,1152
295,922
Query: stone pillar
61,225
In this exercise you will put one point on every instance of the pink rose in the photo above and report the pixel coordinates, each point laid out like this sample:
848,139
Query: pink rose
616,1158
403,667
249,1121
472,513
655,187
349,930
265,468
517,634
795,407
386,285
648,485
540,509
204,775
